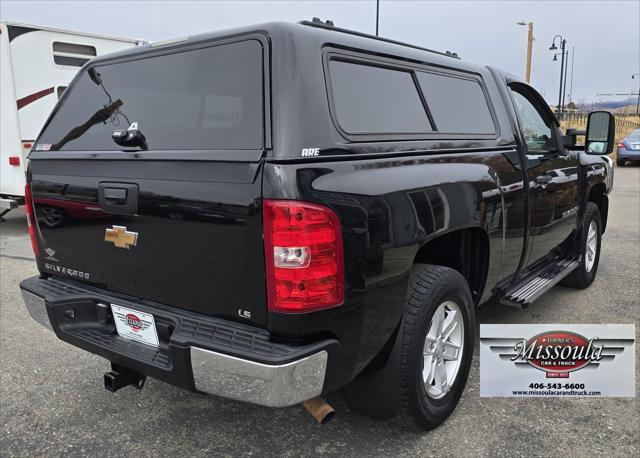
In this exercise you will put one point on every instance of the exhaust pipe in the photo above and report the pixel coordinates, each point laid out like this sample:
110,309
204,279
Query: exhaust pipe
319,410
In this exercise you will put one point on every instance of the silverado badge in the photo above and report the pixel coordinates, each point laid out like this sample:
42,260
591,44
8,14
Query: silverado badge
121,237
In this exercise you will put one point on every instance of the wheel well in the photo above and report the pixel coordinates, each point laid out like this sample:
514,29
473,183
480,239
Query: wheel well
464,250
598,196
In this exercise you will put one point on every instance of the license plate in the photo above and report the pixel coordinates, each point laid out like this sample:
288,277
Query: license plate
135,325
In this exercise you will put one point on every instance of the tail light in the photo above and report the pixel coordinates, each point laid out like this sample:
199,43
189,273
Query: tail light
14,160
304,256
621,145
31,220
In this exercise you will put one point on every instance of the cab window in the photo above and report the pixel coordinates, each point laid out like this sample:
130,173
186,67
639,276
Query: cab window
537,128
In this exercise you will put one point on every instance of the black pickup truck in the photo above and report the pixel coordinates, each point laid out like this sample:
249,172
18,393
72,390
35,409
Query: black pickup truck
275,212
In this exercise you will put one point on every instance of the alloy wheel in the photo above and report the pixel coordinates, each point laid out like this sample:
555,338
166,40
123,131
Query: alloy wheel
592,246
443,347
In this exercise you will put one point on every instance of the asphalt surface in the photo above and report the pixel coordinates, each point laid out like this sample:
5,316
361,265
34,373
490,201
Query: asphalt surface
52,401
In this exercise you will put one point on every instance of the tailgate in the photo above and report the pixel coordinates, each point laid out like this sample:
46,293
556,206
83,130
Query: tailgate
146,179
194,240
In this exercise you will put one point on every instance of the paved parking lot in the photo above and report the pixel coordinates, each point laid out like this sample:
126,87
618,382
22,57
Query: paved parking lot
52,401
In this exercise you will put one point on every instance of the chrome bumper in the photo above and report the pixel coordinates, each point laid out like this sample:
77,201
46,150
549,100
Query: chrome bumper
263,384
36,308
236,378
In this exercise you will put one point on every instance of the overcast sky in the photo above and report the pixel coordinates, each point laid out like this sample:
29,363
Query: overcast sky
605,33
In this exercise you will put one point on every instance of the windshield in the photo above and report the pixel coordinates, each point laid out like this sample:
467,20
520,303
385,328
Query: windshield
204,99
635,135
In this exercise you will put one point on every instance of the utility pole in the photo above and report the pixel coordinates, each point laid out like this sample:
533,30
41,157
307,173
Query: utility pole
573,54
377,15
564,84
527,70
638,94
529,51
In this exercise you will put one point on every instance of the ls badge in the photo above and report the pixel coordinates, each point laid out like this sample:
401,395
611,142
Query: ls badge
121,237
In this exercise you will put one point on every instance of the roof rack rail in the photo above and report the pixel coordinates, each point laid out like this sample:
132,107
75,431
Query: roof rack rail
328,25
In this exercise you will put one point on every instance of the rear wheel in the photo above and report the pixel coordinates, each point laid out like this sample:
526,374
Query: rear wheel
590,241
437,345
620,162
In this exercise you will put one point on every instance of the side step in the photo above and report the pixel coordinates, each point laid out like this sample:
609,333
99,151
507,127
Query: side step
530,288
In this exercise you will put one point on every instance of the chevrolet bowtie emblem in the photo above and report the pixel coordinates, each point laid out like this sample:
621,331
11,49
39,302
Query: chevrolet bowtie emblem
121,237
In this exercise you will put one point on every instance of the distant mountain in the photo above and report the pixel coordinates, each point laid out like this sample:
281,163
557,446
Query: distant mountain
608,104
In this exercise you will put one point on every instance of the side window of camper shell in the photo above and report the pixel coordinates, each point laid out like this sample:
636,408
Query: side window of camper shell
376,100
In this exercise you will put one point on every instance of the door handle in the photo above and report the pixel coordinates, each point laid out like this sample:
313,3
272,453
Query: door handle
543,179
118,198
115,196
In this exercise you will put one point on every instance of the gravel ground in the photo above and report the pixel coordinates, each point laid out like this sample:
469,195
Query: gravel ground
52,401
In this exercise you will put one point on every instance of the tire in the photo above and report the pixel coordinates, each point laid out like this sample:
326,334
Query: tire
586,272
430,288
620,162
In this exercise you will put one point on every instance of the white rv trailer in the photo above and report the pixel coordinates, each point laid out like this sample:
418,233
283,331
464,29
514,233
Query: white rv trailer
36,65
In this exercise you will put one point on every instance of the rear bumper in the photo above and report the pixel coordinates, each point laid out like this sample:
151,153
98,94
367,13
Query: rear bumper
196,352
628,154
257,383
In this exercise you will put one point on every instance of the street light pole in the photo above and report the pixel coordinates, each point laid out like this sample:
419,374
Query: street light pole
377,15
561,105
553,47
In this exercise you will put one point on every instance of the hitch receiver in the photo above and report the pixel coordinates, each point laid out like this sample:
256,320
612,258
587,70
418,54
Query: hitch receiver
121,376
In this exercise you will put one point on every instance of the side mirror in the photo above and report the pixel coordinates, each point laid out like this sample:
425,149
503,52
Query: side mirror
601,132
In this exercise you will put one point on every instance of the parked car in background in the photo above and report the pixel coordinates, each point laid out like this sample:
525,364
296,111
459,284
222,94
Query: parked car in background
38,63
629,149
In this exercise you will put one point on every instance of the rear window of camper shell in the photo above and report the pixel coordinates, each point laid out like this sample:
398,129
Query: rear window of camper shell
208,98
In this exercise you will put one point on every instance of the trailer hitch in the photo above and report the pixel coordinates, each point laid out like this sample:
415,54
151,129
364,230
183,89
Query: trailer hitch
121,376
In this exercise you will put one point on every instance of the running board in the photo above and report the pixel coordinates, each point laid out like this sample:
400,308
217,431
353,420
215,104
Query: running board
530,288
